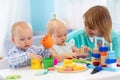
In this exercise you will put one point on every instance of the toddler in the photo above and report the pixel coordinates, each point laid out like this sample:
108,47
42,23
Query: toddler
23,51
62,49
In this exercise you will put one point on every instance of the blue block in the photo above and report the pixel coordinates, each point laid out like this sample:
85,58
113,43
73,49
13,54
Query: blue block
96,55
109,61
103,49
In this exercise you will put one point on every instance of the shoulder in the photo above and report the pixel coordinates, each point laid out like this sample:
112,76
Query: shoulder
115,35
13,50
76,34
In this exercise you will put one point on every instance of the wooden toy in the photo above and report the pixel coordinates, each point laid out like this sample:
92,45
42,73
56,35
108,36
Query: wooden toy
96,55
102,55
70,67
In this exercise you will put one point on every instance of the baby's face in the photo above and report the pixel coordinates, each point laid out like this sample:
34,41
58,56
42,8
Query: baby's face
23,38
60,36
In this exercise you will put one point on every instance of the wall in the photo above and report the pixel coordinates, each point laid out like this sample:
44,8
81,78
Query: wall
40,14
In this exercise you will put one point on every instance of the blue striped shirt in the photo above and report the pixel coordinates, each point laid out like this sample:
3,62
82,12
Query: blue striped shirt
18,58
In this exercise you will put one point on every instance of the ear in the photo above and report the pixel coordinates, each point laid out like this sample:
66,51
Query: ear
12,39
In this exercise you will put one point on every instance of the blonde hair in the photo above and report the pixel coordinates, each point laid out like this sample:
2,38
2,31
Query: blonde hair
21,25
53,25
99,17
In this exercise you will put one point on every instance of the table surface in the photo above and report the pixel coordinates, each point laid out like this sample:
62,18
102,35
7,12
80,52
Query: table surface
29,74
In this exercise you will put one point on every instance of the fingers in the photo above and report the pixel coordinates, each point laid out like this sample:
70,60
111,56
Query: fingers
35,56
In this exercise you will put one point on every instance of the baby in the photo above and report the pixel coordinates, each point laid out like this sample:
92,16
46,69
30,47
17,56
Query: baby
23,51
62,49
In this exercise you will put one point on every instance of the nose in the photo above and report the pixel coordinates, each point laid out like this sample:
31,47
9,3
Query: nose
26,41
64,37
89,30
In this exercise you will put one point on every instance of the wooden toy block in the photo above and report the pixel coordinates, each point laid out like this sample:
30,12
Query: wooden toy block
103,61
103,54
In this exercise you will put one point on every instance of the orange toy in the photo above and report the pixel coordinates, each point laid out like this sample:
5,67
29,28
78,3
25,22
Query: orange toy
47,41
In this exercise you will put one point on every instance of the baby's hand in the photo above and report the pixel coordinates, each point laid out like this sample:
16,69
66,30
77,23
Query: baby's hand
74,55
35,56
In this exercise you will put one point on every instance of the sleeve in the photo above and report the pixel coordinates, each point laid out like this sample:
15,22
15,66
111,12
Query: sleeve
72,42
44,52
116,45
20,60
76,36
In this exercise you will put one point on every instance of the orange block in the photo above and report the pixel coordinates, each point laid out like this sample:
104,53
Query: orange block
47,41
103,53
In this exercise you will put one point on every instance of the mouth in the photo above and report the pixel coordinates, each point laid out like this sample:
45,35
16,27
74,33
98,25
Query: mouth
27,46
90,34
63,41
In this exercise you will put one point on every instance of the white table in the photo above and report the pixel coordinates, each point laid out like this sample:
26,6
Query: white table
29,74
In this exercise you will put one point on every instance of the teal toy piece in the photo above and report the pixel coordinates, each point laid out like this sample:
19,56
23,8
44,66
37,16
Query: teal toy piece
12,77
42,72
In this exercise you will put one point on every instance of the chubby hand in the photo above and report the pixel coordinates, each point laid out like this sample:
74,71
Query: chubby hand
73,55
35,56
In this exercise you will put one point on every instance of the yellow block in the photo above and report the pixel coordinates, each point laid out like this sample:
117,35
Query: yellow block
36,64
67,61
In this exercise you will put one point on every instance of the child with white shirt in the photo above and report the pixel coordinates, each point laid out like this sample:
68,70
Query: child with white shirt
62,49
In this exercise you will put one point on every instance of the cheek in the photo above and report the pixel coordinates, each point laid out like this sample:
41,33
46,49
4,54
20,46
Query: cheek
96,32
86,30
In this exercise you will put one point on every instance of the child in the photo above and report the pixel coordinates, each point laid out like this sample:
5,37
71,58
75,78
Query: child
20,55
62,49
97,22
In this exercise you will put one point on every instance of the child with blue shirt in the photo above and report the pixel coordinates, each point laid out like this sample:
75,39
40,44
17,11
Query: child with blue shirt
23,51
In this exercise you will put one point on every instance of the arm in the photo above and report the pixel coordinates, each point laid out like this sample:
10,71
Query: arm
44,52
61,57
18,60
